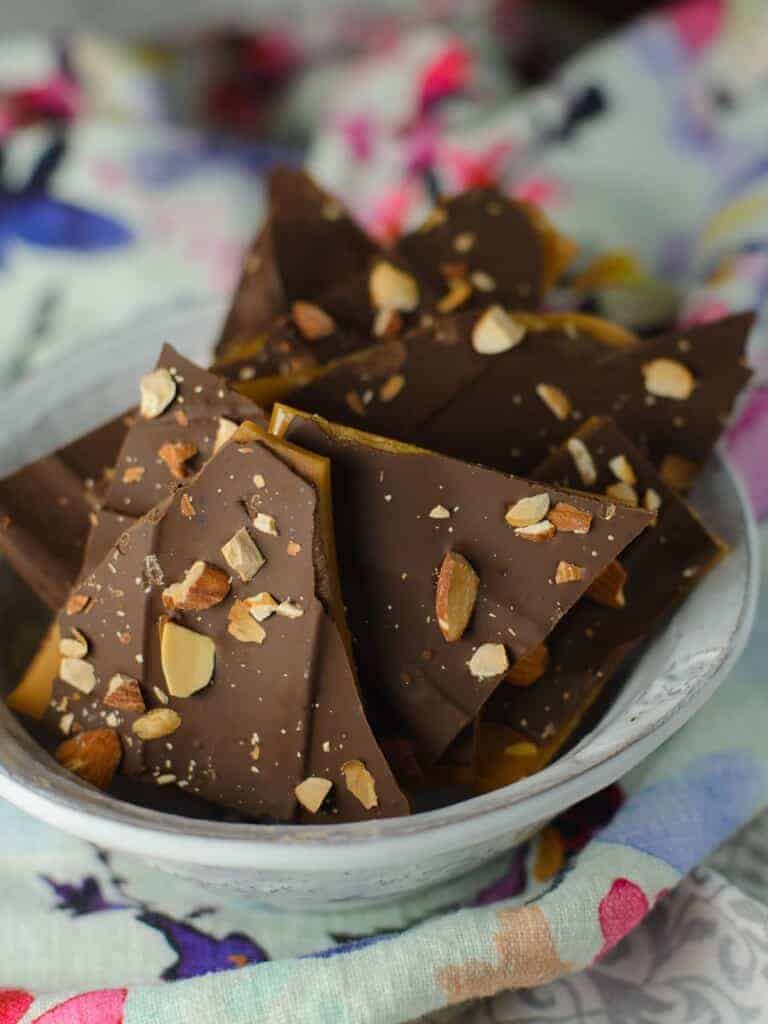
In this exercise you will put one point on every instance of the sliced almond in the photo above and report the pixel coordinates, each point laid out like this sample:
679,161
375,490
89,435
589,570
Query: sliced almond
224,432
93,755
77,603
133,474
678,472
537,532
529,667
496,332
583,461
439,512
555,400
289,610
75,646
360,783
569,519
187,659
176,455
489,660
392,288
624,493
527,511
156,724
651,500
391,387
243,626
457,586
312,321
124,694
261,606
568,572
78,673
242,555
312,792
459,291
265,524
668,378
622,469
608,588
203,587
158,390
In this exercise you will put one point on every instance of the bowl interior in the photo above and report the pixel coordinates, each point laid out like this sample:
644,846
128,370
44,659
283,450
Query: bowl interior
673,677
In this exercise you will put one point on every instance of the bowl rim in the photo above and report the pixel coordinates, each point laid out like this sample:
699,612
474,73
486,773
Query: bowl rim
64,802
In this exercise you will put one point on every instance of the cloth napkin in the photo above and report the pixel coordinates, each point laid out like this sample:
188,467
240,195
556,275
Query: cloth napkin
651,147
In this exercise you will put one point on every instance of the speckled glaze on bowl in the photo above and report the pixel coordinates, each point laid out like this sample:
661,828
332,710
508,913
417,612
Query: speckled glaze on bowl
318,868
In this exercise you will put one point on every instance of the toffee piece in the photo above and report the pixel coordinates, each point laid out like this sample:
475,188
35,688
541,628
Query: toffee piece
207,648
533,716
450,572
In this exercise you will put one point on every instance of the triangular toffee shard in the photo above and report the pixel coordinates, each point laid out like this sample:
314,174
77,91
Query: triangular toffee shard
202,694
530,717
308,244
418,534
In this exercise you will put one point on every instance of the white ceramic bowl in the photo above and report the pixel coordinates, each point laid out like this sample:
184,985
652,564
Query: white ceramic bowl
318,867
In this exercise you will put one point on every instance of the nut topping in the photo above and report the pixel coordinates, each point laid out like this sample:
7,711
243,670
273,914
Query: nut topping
75,646
203,587
224,432
489,660
608,588
651,500
555,400
457,586
622,470
529,667
78,673
243,626
176,455
567,572
392,288
582,460
459,290
156,724
187,659
569,519
482,281
668,378
625,493
92,755
496,332
261,606
124,694
77,603
439,512
265,524
537,532
242,555
133,474
288,610
360,783
391,387
387,324
158,390
312,321
312,792
464,241
678,472
528,511
186,507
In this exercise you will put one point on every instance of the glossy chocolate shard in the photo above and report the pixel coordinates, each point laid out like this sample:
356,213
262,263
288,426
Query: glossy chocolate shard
46,509
269,702
308,244
160,452
399,512
658,570
477,248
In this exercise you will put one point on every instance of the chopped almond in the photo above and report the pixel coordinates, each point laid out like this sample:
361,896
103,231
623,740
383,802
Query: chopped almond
569,519
392,288
203,587
459,290
529,667
457,586
78,673
527,511
489,660
668,378
391,387
75,646
583,461
265,524
156,724
622,469
158,390
176,455
242,555
567,572
261,606
133,474
608,588
312,321
625,493
77,603
496,332
243,626
311,793
537,532
555,400
93,755
124,694
360,783
225,431
651,500
187,659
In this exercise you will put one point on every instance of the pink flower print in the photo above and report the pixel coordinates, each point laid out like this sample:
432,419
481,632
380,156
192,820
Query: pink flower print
705,312
57,99
359,132
472,169
102,1007
697,22
747,444
620,910
14,1003
446,75
538,189
388,215
422,146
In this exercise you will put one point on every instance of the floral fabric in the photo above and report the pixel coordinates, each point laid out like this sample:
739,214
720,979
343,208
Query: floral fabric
652,150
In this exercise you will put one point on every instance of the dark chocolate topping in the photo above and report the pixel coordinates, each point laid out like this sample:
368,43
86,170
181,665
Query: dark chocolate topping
399,512
273,713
